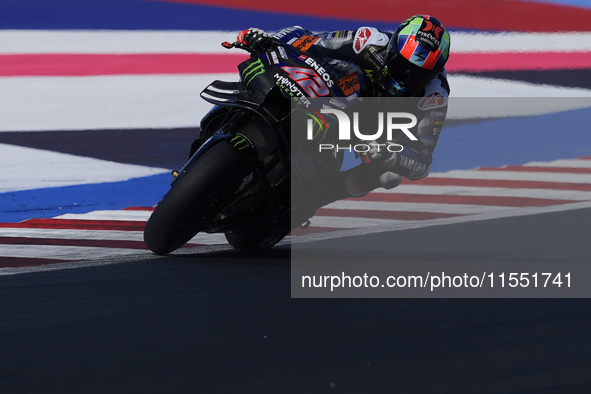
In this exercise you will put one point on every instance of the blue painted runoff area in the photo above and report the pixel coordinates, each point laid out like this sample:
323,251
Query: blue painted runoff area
51,202
494,143
563,135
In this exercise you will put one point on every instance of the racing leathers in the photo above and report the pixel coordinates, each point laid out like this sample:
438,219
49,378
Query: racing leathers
366,49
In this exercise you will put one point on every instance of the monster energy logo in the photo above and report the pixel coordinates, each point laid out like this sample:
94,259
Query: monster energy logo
240,142
254,69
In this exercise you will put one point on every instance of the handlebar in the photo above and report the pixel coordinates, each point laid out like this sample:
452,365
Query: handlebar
236,44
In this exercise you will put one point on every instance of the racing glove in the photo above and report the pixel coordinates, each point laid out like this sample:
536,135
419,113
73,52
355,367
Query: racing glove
382,158
381,154
412,163
255,39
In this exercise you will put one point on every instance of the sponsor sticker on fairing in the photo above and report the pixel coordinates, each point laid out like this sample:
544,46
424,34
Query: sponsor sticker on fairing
291,89
272,57
304,43
349,84
282,52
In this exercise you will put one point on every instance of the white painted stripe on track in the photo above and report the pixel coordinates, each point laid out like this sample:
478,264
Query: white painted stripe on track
105,102
167,101
512,93
350,222
60,252
318,221
521,42
135,215
37,168
515,176
149,41
414,224
459,209
566,163
107,235
574,195
114,41
131,215
104,261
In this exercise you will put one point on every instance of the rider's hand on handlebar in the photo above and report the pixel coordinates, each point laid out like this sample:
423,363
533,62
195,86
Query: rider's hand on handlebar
255,39
382,153
382,158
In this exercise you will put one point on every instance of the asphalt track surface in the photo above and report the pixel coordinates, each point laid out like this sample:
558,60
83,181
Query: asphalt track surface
223,321
216,320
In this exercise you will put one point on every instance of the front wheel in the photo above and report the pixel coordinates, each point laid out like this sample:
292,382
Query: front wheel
194,198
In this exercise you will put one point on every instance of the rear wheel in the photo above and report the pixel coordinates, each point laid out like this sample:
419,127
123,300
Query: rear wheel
194,198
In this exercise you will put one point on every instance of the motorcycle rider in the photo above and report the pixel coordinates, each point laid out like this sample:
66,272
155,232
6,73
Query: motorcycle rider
406,63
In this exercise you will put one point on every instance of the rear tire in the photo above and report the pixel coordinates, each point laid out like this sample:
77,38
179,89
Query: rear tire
254,238
211,181
244,239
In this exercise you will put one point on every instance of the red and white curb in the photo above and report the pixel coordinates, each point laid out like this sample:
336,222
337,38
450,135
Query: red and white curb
456,196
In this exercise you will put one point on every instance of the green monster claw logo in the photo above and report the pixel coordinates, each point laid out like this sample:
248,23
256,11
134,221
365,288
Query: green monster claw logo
240,142
254,69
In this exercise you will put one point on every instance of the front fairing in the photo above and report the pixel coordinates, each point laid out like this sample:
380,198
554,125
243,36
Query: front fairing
299,76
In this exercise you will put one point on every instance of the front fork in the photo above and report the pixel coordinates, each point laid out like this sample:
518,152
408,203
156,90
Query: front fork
217,136
198,151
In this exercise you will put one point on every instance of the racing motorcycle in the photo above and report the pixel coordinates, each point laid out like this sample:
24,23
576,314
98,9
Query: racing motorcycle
246,177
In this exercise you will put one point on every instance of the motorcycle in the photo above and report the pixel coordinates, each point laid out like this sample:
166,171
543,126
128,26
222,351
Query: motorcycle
246,177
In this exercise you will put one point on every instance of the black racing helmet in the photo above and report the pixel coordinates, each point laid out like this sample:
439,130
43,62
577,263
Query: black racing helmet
417,53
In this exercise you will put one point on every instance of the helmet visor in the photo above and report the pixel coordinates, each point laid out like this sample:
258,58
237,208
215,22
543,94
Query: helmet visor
406,74
394,87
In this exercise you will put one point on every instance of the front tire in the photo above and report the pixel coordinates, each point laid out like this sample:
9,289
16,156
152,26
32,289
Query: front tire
193,198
